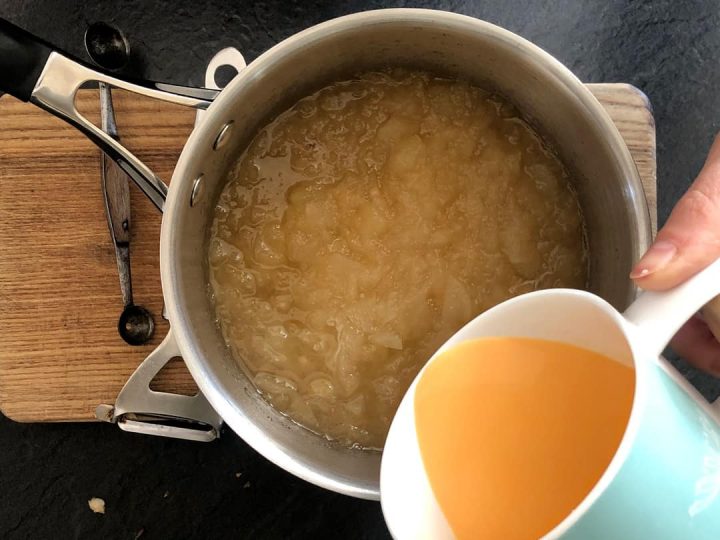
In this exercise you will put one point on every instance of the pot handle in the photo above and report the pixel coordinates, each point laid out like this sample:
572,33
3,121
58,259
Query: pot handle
22,57
228,56
137,407
34,71
141,410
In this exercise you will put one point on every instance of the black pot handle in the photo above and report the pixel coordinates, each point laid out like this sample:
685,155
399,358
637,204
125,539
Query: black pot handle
22,59
35,71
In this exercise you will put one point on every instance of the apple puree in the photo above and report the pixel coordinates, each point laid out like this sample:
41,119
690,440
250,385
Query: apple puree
369,222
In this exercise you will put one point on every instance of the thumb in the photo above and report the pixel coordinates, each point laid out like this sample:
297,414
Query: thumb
690,239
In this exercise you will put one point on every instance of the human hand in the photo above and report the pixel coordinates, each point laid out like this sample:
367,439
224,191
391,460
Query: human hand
690,241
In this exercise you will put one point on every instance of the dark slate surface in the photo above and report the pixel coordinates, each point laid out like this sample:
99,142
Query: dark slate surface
171,489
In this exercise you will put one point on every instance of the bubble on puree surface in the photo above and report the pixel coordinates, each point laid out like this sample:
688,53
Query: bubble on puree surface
365,225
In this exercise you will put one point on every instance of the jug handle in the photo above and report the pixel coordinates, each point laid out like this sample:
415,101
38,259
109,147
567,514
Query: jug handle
33,70
657,316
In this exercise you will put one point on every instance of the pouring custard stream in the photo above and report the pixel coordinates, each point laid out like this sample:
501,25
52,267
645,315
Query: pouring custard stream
365,225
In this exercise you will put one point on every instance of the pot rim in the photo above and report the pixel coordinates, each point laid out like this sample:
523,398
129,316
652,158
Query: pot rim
251,433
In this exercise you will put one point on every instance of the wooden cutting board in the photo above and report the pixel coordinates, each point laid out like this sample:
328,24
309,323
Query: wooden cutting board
60,353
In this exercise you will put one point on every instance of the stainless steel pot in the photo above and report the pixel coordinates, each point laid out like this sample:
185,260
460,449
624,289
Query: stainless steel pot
554,100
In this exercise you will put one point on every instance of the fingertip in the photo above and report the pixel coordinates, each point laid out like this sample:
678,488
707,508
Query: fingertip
653,282
665,279
689,241
657,258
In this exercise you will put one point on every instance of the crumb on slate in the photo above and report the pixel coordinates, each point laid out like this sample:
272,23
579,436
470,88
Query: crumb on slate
238,474
165,495
97,505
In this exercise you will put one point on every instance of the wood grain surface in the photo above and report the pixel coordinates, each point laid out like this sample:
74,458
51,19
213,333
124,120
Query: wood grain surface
631,111
60,352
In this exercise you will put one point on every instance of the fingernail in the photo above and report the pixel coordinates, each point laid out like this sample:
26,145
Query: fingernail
656,258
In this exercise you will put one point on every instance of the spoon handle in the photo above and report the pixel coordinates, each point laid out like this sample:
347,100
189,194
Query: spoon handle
116,193
658,315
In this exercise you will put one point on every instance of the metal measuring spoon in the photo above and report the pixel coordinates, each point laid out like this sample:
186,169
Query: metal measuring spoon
108,48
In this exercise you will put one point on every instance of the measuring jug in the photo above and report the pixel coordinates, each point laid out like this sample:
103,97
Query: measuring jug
664,479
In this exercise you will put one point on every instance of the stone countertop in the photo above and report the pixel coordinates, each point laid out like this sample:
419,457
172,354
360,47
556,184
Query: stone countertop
159,488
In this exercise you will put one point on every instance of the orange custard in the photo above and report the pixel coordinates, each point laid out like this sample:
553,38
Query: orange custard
515,432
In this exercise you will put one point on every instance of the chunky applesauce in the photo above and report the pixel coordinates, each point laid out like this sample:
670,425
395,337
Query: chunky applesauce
369,222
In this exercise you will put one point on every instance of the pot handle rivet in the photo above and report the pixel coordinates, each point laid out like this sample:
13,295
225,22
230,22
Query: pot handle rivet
198,190
224,136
